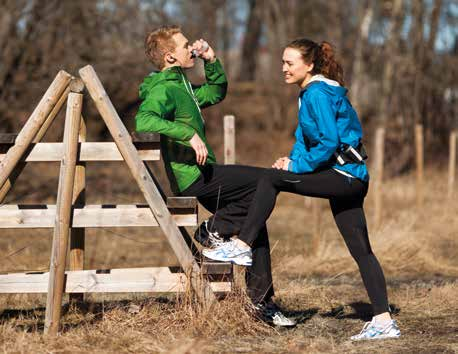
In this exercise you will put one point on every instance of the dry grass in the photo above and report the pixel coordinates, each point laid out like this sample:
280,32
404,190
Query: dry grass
417,249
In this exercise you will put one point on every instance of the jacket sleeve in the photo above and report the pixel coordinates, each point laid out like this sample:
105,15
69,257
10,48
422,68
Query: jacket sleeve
156,114
318,106
214,90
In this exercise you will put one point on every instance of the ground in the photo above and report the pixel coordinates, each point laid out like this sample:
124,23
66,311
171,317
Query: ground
320,287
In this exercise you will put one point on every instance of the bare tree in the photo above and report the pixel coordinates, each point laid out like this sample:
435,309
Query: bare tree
251,41
366,14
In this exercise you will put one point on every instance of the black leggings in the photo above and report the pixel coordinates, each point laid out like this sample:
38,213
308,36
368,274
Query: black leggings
346,197
227,191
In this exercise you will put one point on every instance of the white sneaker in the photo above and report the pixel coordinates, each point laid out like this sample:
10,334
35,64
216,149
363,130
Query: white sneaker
207,238
270,313
374,330
229,252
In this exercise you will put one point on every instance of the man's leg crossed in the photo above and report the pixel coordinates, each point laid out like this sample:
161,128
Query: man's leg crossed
227,191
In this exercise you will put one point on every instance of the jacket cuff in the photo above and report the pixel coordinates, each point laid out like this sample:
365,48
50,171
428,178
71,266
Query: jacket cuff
290,166
213,67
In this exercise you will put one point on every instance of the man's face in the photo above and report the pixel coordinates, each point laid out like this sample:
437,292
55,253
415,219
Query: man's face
182,52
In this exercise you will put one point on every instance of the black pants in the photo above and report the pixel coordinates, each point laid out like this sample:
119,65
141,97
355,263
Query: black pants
346,197
227,191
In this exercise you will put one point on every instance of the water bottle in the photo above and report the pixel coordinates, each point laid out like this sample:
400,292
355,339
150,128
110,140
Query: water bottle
195,53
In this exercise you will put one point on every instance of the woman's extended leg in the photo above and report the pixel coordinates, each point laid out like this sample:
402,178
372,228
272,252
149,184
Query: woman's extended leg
351,222
324,184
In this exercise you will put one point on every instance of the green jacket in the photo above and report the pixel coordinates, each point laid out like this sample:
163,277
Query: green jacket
171,106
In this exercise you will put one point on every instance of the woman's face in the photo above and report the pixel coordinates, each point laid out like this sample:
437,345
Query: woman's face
296,71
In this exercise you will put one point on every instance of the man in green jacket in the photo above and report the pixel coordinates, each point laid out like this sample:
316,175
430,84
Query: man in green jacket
171,106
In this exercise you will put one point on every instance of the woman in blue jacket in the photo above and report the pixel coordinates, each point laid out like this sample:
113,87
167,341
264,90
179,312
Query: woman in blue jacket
327,161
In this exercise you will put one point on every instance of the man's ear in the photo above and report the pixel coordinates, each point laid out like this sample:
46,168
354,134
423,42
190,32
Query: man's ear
169,58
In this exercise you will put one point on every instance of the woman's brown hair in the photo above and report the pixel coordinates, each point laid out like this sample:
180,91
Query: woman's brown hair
322,56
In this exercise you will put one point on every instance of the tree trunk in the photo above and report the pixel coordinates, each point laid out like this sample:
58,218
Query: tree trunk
367,12
250,46
390,54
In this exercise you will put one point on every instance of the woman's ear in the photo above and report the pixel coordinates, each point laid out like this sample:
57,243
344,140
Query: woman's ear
309,67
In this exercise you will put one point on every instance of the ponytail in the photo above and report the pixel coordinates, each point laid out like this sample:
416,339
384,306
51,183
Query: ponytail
322,56
329,66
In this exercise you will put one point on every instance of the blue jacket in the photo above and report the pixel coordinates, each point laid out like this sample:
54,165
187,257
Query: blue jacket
326,122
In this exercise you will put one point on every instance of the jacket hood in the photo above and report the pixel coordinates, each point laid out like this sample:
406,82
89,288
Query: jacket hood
174,73
329,86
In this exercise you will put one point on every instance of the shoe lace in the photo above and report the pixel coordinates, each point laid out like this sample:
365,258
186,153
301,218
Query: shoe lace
215,239
279,315
366,327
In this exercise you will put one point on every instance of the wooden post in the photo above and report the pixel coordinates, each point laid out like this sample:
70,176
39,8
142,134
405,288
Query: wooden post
419,153
229,140
77,235
316,225
229,158
63,214
50,119
452,164
76,85
378,178
35,128
145,182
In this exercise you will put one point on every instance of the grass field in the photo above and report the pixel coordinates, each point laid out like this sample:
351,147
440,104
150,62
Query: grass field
323,291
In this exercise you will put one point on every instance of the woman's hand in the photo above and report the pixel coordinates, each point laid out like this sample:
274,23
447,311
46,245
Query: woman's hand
282,163
204,50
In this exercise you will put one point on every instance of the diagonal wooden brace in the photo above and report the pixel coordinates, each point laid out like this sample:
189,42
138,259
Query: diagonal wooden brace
33,131
146,184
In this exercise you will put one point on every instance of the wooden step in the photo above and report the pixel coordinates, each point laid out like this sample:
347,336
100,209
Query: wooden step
9,138
215,267
127,280
88,151
105,215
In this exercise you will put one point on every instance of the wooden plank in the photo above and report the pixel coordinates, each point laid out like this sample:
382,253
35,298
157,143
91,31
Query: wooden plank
451,163
77,235
181,202
378,177
42,216
145,182
145,137
419,159
8,138
229,140
214,267
105,151
63,214
33,124
159,279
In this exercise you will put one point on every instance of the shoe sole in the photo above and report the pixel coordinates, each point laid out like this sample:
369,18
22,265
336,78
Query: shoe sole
232,260
376,338
284,325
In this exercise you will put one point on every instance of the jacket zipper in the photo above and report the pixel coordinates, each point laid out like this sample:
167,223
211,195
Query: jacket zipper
191,92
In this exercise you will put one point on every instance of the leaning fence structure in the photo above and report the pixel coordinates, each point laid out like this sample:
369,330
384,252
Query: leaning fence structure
70,216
